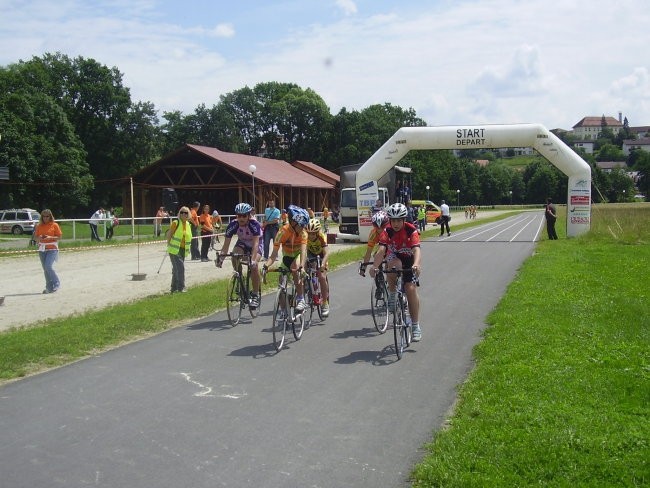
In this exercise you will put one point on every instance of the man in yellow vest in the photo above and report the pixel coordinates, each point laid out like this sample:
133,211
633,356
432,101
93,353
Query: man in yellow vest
179,238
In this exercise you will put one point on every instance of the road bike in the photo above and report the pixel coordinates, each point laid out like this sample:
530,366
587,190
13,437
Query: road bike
378,297
401,318
284,308
313,295
238,294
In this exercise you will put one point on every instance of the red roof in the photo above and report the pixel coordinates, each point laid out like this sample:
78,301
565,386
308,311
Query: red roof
597,121
270,171
318,171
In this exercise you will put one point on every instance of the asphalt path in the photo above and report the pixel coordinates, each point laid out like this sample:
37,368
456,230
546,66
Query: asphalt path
208,405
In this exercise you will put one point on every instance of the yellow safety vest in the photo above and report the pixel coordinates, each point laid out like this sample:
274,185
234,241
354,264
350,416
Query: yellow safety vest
174,245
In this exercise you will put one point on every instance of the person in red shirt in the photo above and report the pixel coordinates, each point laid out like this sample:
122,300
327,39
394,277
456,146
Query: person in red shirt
47,235
399,244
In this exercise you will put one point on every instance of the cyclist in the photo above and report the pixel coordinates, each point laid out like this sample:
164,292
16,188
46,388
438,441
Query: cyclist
317,247
248,232
399,244
293,239
379,223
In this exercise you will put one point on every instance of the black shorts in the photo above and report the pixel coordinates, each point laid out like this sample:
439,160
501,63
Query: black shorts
407,275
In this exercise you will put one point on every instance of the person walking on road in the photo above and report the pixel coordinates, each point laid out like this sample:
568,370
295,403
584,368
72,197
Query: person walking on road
444,219
94,221
271,225
179,238
47,235
195,226
551,216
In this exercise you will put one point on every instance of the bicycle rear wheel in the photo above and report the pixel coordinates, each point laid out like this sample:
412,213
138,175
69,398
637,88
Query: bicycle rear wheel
379,306
233,300
279,326
309,303
399,329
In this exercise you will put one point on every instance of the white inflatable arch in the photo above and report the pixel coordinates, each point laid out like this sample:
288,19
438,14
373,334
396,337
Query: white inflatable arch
479,137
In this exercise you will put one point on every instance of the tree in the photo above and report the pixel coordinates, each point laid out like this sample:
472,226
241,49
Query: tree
610,152
46,160
642,165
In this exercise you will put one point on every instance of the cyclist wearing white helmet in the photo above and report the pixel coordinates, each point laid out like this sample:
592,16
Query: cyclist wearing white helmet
317,247
249,232
293,239
399,244
379,223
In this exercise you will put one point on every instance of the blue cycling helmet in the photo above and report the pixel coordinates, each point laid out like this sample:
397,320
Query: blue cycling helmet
298,215
243,208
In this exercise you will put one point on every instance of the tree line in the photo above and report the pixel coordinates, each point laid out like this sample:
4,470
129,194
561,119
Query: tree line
72,135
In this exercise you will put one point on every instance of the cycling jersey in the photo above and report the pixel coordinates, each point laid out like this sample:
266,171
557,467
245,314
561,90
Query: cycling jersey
373,238
400,243
316,246
245,234
289,240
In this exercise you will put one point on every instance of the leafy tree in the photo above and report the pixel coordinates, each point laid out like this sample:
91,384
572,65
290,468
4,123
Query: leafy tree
46,159
610,152
542,181
642,165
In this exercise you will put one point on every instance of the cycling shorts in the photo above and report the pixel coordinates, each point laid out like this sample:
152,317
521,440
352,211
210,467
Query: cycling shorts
248,249
288,259
407,262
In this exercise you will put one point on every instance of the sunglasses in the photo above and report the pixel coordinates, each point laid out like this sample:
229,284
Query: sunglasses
184,213
242,216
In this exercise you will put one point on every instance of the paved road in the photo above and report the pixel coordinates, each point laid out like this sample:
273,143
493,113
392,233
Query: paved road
209,405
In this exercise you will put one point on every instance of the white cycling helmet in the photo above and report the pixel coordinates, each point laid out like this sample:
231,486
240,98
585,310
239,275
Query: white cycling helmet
397,211
379,218
314,225
243,208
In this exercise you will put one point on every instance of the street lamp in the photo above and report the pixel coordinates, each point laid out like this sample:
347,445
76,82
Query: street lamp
428,192
252,168
458,198
510,197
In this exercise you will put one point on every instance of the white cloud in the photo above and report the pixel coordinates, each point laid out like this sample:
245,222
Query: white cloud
636,84
347,6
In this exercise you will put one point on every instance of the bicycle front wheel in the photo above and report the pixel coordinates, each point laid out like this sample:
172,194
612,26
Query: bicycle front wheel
399,329
279,319
379,306
233,300
298,325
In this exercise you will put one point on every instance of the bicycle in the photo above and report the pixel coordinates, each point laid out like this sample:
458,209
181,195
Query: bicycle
238,294
378,297
284,308
401,319
313,296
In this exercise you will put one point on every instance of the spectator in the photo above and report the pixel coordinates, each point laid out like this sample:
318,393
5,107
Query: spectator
109,223
551,216
444,219
94,221
158,221
47,235
195,226
207,229
422,218
271,225
178,235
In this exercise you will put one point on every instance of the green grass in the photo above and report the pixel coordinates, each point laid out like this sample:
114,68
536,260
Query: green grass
560,395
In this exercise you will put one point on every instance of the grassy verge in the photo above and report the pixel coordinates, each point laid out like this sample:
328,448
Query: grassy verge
560,394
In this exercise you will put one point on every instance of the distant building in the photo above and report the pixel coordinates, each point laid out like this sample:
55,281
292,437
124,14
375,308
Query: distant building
641,131
608,166
589,127
587,146
631,144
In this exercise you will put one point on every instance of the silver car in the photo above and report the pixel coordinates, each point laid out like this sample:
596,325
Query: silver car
18,221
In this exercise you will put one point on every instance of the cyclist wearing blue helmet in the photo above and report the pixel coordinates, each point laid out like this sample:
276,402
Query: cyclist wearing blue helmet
249,232
293,239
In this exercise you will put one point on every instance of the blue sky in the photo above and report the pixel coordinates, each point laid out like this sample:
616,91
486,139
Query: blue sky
455,62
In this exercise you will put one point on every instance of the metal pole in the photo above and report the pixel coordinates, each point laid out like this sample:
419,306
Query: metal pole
132,212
